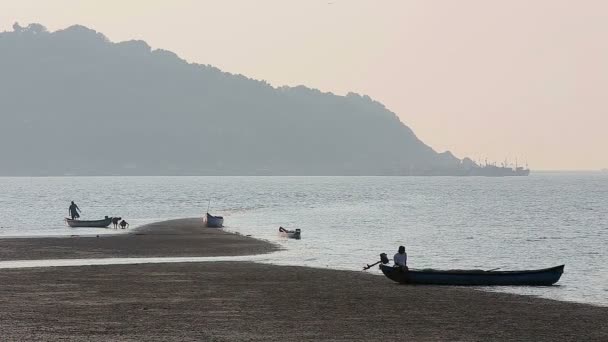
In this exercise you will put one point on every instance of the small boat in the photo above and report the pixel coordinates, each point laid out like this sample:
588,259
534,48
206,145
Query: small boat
541,277
292,234
214,221
89,224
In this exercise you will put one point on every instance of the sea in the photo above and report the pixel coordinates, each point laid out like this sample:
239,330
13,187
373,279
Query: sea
508,223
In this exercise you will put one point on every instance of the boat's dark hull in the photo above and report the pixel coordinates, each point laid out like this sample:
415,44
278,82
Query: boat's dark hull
89,224
542,277
214,221
292,234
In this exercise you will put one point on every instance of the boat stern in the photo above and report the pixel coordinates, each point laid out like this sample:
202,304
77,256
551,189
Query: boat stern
393,273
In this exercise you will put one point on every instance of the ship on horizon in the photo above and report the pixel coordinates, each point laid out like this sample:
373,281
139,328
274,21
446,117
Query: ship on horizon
493,170
468,167
498,171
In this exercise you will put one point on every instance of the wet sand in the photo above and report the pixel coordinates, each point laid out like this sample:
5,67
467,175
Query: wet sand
239,301
174,238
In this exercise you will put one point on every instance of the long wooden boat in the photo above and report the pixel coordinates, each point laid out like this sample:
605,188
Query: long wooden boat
541,277
214,221
89,224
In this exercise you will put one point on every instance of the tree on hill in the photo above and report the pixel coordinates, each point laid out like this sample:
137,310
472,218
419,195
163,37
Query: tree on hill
74,102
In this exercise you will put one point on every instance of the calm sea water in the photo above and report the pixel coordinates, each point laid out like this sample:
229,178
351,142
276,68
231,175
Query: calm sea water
444,222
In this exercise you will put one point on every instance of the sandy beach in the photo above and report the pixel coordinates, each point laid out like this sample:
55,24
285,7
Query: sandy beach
240,301
174,238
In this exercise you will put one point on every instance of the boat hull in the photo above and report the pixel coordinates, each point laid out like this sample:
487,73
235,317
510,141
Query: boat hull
214,221
292,234
89,224
541,277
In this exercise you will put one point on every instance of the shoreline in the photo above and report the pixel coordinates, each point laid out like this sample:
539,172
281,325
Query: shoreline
173,238
238,300
234,301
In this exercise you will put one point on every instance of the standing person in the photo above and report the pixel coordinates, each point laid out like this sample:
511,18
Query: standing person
400,258
73,211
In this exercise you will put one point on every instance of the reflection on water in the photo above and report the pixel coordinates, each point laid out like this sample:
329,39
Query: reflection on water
346,222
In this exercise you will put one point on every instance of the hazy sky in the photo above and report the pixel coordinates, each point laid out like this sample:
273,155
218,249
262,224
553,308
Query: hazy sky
481,78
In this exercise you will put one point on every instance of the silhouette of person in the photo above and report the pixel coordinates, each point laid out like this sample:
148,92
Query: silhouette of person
124,224
400,258
73,211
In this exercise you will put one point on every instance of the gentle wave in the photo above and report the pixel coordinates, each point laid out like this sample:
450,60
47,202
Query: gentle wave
445,222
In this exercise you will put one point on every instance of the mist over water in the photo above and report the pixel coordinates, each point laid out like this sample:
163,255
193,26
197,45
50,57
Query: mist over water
445,222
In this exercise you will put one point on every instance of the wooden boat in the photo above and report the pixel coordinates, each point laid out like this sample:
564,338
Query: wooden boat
541,277
292,234
214,221
89,224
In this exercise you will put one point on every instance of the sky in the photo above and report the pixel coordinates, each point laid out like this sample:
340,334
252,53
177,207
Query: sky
521,80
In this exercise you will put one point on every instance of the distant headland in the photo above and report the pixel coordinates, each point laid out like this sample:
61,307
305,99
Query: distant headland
75,103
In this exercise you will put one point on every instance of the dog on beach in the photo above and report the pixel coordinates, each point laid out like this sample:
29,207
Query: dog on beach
115,221
124,224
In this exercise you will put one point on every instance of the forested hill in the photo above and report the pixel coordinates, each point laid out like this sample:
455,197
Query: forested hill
74,103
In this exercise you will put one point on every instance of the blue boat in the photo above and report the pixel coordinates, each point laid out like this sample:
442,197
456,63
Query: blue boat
541,277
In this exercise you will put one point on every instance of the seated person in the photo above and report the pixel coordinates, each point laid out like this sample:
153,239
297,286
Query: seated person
400,259
123,224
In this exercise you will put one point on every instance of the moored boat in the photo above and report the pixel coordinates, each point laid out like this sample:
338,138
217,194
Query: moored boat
214,221
89,224
540,277
292,234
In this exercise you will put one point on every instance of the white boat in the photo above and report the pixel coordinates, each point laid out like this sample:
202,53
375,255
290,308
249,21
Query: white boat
214,221
89,224
292,234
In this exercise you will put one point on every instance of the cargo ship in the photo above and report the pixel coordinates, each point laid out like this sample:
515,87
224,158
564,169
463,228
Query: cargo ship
492,170
498,171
